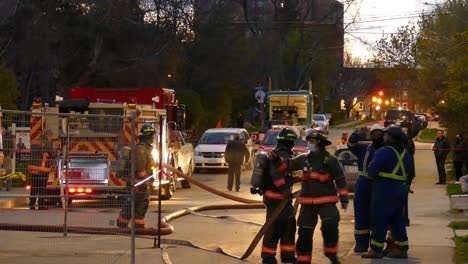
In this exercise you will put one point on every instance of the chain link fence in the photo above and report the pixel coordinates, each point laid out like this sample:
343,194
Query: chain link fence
63,182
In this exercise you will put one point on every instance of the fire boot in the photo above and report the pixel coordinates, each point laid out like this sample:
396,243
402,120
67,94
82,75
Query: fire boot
390,246
360,249
397,253
334,259
372,254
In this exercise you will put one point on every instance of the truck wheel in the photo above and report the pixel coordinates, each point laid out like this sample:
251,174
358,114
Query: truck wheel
167,191
186,184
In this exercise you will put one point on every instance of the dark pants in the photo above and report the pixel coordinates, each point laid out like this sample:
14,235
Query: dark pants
440,162
307,221
282,230
234,170
141,206
389,198
38,188
362,200
458,166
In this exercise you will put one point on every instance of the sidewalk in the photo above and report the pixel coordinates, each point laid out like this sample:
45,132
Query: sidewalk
429,235
14,197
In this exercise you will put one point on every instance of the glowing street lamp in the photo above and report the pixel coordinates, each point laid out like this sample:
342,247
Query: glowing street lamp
379,101
386,102
374,99
377,108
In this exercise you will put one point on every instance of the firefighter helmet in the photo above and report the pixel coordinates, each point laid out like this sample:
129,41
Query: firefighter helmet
147,131
287,134
395,131
320,135
376,127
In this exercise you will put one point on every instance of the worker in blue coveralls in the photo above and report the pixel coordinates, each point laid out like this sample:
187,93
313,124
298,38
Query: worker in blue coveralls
362,191
390,169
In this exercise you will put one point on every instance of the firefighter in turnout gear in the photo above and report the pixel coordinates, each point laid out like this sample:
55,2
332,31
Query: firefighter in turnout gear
362,191
144,164
42,155
391,170
277,186
321,172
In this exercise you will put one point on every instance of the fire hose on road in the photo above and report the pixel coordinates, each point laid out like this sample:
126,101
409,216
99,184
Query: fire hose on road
165,228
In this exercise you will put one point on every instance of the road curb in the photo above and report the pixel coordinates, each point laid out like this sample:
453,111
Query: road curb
13,202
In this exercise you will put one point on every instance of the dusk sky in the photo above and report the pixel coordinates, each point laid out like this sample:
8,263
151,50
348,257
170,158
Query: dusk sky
381,16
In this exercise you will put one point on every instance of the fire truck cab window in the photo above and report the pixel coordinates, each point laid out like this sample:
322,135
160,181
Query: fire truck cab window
108,122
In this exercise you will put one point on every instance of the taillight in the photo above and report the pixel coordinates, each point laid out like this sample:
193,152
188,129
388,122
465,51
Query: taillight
28,187
71,190
88,190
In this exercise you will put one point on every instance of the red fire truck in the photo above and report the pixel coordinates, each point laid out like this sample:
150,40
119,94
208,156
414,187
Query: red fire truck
93,133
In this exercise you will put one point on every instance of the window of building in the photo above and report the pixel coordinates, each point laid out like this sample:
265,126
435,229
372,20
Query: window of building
361,106
404,95
405,106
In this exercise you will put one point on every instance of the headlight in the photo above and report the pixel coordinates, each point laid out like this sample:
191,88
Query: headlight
198,153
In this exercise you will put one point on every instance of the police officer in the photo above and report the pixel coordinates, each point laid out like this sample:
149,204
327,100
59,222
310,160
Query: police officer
144,164
391,168
321,172
362,190
42,155
277,186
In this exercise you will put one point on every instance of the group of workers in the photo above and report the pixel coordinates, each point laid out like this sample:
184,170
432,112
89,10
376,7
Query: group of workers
386,169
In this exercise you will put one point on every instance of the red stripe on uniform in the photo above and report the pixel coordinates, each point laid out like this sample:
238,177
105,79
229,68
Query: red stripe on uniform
268,250
318,200
288,248
330,250
304,258
316,176
282,167
273,195
280,182
343,192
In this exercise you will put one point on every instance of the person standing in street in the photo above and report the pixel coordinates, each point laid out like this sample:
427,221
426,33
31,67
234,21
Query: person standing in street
235,154
441,148
343,139
390,169
240,120
277,186
363,188
460,155
322,176
42,158
144,164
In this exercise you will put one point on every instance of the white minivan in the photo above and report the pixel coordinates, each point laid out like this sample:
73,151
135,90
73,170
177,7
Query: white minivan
209,153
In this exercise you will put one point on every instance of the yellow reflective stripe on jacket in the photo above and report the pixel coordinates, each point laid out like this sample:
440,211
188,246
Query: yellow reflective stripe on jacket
399,165
401,243
362,232
364,164
377,244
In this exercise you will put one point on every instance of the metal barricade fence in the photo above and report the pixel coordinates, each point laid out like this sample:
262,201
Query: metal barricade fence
77,167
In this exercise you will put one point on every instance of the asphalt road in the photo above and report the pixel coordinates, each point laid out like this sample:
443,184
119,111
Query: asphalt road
231,230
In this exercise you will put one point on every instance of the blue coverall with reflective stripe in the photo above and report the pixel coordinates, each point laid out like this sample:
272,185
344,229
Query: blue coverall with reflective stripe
389,169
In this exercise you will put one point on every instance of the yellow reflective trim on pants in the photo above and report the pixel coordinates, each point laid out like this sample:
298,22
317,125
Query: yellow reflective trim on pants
401,243
377,244
361,232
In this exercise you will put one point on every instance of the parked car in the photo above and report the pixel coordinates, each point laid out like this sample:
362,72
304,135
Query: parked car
349,160
271,138
321,121
209,153
402,118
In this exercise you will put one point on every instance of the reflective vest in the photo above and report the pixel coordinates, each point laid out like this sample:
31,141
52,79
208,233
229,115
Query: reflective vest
364,165
400,164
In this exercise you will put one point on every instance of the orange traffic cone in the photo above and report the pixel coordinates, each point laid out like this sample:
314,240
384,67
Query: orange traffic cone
219,125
